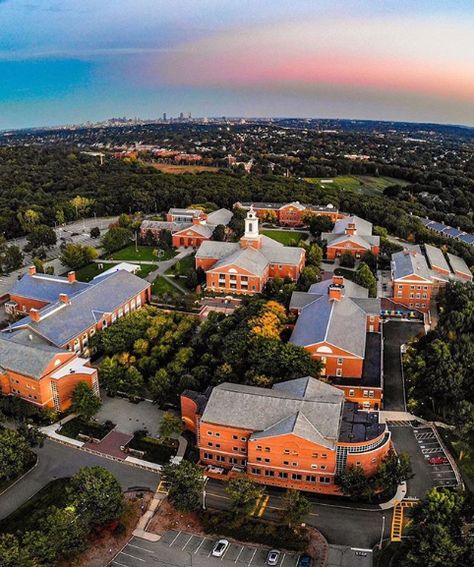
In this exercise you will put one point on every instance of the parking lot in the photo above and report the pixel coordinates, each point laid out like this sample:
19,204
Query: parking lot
421,444
180,549
443,474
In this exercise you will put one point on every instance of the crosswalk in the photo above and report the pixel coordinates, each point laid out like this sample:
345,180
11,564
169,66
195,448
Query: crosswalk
396,531
260,506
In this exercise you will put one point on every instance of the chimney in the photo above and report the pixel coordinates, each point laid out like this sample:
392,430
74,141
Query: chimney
64,297
336,292
351,229
338,280
71,277
31,270
35,315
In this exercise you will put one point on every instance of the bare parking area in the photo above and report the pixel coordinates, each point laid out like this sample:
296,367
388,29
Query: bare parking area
421,444
180,549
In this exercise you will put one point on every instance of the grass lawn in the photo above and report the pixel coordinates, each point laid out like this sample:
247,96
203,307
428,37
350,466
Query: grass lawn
364,184
31,514
156,451
87,273
185,265
78,425
286,237
161,286
145,253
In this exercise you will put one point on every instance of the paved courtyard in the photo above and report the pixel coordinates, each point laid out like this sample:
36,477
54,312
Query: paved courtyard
130,417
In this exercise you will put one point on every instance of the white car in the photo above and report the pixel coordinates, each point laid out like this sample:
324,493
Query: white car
273,557
220,548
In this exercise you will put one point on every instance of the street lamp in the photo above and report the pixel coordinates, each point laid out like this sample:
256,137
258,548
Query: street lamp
381,532
206,478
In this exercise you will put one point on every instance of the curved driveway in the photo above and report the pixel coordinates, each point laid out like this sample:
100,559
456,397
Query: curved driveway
56,461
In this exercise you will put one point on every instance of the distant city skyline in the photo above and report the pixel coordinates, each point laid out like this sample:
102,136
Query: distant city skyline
63,62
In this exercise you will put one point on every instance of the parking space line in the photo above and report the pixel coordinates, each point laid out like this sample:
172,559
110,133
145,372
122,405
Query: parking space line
225,552
121,564
251,559
132,556
176,537
190,538
240,552
199,546
138,547
282,560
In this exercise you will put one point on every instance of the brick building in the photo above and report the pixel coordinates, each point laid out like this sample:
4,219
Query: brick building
246,266
299,434
290,214
418,275
189,227
340,326
67,313
40,373
351,234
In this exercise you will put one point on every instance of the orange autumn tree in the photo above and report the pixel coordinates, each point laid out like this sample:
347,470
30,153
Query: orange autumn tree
270,322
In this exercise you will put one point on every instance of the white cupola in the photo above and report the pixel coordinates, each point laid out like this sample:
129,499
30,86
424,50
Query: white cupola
251,225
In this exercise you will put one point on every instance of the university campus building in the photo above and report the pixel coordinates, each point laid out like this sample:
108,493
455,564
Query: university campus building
246,266
339,325
189,227
351,234
299,434
33,369
289,214
418,275
41,355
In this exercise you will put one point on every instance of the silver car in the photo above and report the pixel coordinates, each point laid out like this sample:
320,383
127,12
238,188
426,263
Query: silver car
273,557
220,548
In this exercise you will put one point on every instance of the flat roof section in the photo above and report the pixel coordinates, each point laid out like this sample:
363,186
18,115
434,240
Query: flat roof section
358,426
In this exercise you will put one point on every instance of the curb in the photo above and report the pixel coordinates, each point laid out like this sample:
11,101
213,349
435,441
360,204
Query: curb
21,477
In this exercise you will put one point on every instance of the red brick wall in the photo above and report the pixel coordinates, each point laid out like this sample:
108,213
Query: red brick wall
351,365
26,303
402,290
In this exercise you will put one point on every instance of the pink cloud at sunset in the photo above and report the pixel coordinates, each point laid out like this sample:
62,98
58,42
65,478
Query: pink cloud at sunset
431,57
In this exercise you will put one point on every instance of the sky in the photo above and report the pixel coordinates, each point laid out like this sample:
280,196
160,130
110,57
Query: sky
69,61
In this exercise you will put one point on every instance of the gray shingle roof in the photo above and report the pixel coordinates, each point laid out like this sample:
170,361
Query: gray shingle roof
221,216
407,263
459,265
306,410
46,288
211,249
362,240
62,322
281,254
29,358
201,229
351,289
341,323
164,225
363,227
248,259
436,258
191,212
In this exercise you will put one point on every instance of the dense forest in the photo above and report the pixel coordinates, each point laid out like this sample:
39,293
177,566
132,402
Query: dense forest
46,180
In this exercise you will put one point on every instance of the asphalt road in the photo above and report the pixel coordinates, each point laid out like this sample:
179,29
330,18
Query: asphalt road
56,461
339,525
395,333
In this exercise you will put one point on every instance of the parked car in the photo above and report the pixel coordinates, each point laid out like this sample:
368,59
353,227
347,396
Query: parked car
304,561
438,460
273,557
220,548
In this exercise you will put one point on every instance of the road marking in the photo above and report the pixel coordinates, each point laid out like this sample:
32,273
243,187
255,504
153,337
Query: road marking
199,546
223,555
240,552
257,505
132,556
190,538
138,547
176,537
254,552
121,564
282,560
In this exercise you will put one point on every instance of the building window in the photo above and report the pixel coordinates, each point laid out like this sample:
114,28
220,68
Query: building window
282,474
269,472
242,438
235,436
208,456
209,444
371,393
242,450
324,479
217,434
314,466
267,460
324,455
338,371
209,432
259,459
232,460
366,393
218,445
286,451
310,478
286,463
323,467
259,448
220,458
315,455
340,360
126,309
296,476
267,449
351,393
255,471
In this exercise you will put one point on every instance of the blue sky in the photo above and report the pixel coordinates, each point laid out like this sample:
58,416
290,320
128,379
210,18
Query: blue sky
68,61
